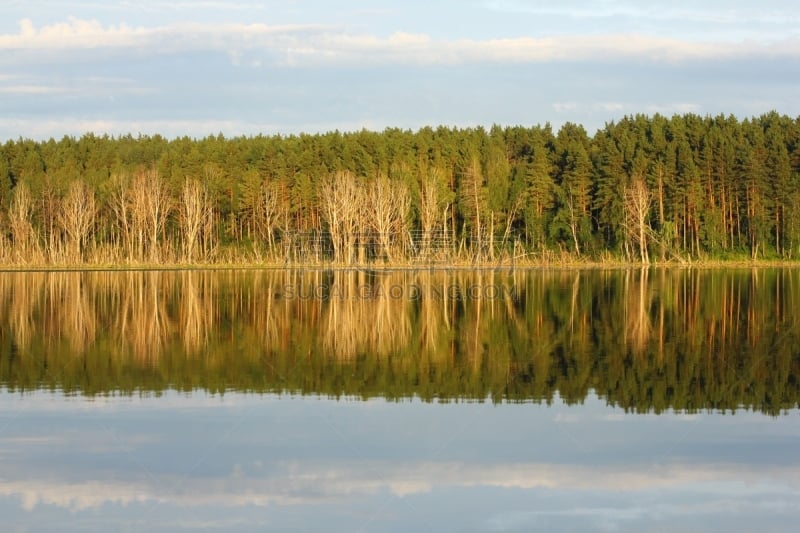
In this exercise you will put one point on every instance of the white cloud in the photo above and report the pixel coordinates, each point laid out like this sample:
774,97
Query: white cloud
321,45
618,108
91,34
37,128
565,107
765,12
298,483
73,33
225,5
31,89
40,401
614,107
674,108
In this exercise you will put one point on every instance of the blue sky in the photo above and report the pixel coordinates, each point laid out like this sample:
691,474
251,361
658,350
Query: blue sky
247,67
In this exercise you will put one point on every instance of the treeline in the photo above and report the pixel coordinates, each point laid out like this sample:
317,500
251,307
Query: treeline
641,189
646,340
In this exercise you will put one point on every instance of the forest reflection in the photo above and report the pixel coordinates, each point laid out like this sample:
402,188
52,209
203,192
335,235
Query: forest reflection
645,340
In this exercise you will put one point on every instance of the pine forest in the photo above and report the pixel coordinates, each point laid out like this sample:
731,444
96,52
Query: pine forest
645,189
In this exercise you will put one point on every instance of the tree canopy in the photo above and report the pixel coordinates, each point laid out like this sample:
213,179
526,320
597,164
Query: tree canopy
714,187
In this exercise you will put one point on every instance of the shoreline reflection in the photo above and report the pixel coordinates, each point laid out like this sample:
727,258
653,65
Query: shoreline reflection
644,340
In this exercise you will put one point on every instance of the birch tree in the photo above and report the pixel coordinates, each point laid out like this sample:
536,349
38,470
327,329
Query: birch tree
20,216
342,205
76,219
388,204
196,220
637,212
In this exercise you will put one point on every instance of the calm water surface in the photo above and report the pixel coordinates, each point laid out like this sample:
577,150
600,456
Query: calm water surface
374,401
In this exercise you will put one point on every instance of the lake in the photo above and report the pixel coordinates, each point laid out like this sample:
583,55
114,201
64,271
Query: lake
252,400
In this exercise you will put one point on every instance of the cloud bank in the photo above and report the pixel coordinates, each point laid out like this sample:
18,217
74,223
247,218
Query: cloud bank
304,483
320,45
268,67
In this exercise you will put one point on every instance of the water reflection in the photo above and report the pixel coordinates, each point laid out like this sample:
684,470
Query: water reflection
644,340
260,462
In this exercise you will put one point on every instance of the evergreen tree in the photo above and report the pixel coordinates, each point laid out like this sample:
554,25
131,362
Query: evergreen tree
573,187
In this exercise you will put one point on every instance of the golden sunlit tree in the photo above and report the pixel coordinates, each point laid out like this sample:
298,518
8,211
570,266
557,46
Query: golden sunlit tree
23,236
342,205
432,214
141,207
196,220
388,205
473,204
637,212
76,218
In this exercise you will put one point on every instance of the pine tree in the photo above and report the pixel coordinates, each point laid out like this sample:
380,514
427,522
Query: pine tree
573,187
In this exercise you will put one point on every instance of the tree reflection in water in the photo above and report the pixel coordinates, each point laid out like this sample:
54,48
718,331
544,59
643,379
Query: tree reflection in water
646,340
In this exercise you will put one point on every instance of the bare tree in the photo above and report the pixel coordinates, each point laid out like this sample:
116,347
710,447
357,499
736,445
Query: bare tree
48,205
429,206
141,206
118,201
196,219
157,207
388,204
136,198
473,199
20,214
76,219
342,205
5,248
271,212
637,211
267,213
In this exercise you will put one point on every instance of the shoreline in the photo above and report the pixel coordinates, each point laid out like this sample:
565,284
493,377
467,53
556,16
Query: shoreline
412,267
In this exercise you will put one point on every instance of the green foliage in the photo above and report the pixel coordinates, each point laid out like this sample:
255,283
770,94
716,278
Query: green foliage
720,187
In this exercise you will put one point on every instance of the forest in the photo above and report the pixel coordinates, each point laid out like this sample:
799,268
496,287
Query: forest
643,189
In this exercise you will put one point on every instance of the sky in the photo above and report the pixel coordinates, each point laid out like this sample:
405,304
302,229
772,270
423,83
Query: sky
245,67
